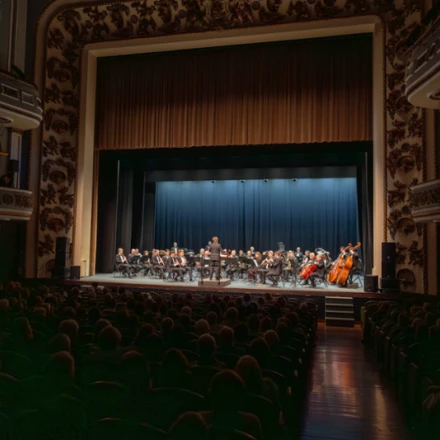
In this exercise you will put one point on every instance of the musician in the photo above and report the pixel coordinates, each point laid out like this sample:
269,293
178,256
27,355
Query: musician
299,255
265,267
320,270
305,259
240,253
232,268
122,263
186,268
249,254
356,267
215,250
310,262
276,268
145,261
174,248
174,268
134,261
292,263
158,263
252,250
256,261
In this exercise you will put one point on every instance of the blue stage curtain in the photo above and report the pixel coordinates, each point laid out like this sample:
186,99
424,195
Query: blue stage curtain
309,213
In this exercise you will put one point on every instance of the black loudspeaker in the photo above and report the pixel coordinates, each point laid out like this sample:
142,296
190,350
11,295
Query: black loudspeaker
391,285
61,252
75,272
389,255
389,269
371,283
389,252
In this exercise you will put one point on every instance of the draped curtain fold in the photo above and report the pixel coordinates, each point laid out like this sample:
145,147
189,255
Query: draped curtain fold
291,92
309,213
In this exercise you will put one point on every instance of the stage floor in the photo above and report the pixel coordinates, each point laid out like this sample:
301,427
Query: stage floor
236,287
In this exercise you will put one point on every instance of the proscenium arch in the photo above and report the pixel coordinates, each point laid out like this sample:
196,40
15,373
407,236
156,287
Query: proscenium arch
83,231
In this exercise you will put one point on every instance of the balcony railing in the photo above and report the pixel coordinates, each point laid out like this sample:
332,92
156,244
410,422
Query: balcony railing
20,104
422,74
425,201
15,204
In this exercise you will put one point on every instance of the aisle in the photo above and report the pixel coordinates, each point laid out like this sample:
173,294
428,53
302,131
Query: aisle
347,398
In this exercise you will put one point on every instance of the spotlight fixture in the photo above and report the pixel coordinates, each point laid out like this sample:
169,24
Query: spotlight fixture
266,180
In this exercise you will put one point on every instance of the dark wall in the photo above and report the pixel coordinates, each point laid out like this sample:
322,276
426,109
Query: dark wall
12,239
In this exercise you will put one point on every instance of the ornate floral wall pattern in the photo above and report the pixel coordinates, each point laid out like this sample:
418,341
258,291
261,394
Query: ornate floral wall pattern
75,27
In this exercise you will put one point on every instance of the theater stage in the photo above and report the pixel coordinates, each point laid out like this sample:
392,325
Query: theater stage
237,287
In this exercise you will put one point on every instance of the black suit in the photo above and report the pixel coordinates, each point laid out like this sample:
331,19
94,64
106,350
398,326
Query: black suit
215,250
185,266
275,270
232,268
318,273
159,265
122,264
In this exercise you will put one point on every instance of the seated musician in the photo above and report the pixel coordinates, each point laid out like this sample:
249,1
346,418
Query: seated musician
311,257
134,261
265,266
232,268
203,264
299,255
275,269
174,268
251,250
146,263
305,259
256,261
158,263
290,269
186,268
240,253
320,270
356,268
122,263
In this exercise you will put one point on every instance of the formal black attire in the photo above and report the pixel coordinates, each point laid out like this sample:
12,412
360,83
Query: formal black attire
253,269
318,273
122,264
215,251
275,270
292,270
231,269
185,267
299,256
263,270
174,268
158,265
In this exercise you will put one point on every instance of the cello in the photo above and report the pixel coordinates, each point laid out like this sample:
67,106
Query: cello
308,269
345,270
333,275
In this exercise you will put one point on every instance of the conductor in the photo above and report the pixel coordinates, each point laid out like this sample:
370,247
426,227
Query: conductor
215,249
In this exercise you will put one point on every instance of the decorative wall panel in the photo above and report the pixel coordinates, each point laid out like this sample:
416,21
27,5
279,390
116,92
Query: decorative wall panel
75,27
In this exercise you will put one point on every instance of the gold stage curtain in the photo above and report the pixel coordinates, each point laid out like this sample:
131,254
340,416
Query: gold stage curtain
279,93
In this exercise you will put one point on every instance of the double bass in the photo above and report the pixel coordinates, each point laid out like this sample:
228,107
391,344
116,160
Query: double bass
345,270
333,275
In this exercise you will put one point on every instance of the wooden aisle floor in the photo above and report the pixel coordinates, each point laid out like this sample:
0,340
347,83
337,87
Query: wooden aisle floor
347,398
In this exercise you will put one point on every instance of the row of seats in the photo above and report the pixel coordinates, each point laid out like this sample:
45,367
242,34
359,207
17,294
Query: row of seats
404,337
96,363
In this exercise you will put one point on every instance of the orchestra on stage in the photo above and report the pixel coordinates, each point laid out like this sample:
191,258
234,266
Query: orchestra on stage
294,267
286,267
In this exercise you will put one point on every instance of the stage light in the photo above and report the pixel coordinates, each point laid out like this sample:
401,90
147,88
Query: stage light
266,180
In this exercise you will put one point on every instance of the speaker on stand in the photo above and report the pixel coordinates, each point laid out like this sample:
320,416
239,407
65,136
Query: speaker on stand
371,283
389,283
